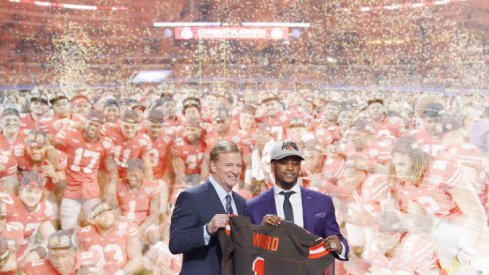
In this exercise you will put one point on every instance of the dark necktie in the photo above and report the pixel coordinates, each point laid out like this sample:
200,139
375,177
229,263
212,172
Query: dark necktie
288,213
229,208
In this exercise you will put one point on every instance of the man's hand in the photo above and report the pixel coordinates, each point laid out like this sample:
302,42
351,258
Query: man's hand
333,244
272,220
218,221
48,170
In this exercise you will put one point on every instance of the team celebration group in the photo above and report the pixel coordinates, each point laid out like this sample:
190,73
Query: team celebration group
125,182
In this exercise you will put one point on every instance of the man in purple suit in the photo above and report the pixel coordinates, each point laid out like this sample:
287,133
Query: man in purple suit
287,200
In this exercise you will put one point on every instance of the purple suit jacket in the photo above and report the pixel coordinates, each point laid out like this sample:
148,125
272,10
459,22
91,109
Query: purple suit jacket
318,211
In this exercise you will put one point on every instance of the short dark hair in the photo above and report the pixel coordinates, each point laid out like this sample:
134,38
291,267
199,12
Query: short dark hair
221,147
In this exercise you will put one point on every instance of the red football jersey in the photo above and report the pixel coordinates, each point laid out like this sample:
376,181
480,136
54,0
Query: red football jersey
28,165
126,149
390,126
279,123
192,155
28,221
428,143
159,152
416,254
14,234
8,166
112,245
327,134
52,125
374,190
380,151
135,204
44,267
15,150
28,123
84,160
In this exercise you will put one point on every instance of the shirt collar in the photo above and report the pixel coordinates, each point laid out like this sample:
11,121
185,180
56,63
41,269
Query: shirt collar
296,188
220,191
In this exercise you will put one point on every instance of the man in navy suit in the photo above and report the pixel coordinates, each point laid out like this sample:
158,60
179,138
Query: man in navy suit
287,200
202,210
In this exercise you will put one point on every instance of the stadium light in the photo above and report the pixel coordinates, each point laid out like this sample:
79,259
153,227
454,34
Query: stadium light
155,76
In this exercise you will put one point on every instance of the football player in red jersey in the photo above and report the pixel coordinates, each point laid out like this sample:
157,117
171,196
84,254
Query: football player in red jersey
118,241
8,261
86,150
188,154
31,212
62,116
112,110
274,114
138,198
62,258
160,155
129,142
50,166
12,232
376,151
81,105
426,135
11,138
161,140
384,125
38,109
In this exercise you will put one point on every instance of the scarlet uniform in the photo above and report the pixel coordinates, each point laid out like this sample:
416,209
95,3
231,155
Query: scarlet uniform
434,195
468,154
112,245
28,123
429,143
135,203
416,254
16,149
161,148
44,266
328,134
28,165
8,166
374,189
192,155
245,139
84,159
27,221
52,125
431,194
379,152
279,123
213,137
126,149
14,234
390,126
333,166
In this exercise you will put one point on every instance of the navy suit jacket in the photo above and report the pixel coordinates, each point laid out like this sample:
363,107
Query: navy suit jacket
318,211
193,209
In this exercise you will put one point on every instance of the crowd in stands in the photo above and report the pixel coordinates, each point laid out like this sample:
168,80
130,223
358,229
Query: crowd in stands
89,178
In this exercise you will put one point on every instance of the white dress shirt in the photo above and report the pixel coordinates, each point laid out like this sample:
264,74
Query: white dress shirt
221,193
295,200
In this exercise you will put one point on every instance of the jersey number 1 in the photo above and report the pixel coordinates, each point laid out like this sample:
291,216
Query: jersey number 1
259,266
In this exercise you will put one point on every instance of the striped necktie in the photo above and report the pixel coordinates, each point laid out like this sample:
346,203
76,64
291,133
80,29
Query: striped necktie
229,208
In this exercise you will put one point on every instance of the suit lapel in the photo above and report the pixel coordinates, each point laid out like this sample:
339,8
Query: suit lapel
269,198
214,198
307,210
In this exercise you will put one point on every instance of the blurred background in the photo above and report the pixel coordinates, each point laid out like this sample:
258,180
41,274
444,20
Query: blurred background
395,44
